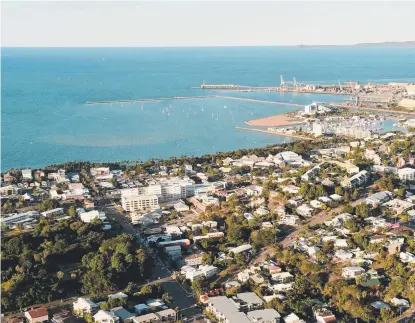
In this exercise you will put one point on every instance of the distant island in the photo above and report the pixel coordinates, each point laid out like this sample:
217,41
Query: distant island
404,44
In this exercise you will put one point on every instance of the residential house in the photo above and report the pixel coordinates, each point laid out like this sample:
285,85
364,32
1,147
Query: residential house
324,315
65,316
282,277
289,219
105,317
37,315
167,315
84,306
140,308
378,199
305,210
407,257
352,272
316,204
90,216
292,318
399,302
336,197
399,206
343,254
146,318
124,315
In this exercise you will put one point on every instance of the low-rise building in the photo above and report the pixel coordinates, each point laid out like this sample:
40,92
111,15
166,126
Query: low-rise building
124,315
37,315
13,219
406,174
352,272
205,271
305,210
146,318
248,301
105,317
324,315
84,306
27,173
282,277
57,211
378,199
173,251
407,257
90,216
399,206
225,311
194,260
209,236
268,315
356,180
240,249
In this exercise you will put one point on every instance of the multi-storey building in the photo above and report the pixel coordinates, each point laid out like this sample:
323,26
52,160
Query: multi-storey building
135,203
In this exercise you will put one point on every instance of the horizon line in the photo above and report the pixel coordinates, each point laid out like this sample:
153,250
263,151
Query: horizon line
385,43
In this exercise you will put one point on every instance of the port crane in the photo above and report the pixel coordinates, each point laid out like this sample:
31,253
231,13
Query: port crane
289,84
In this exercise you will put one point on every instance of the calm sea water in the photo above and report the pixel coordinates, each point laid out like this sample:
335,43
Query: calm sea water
45,119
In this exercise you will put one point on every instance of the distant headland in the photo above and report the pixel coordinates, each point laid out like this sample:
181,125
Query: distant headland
403,44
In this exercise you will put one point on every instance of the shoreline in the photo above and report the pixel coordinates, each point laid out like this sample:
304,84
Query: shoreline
274,121
278,133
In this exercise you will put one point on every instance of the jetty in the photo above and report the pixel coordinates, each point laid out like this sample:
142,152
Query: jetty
193,97
152,99
273,132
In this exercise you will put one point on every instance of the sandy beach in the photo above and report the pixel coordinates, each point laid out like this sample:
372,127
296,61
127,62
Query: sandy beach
274,121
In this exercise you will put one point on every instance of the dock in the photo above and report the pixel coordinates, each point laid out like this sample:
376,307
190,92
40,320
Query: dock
278,133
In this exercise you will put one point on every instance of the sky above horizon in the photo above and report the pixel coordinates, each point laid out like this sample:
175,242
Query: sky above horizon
203,23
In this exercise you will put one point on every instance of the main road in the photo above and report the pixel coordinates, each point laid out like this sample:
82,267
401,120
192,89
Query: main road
182,296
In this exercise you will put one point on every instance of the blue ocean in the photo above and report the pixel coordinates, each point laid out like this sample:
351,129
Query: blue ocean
45,118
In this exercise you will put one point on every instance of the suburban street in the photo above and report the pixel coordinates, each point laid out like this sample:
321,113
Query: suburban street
182,297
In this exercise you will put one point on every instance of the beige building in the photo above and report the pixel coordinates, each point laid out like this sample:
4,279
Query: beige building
139,203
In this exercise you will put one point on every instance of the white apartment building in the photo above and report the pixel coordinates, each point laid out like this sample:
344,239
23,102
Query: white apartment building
406,174
90,216
166,189
206,271
134,203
